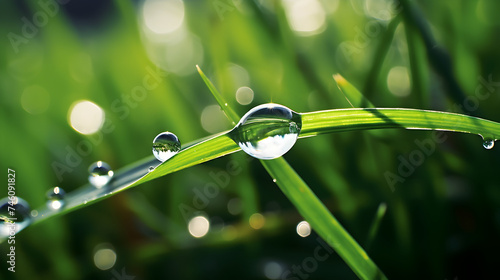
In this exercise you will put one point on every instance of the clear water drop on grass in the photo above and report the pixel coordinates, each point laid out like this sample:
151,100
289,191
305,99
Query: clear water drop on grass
488,144
100,174
267,131
14,216
55,198
165,146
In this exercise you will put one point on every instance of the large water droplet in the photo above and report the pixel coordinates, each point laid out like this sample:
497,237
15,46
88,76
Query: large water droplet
165,146
55,198
267,131
100,174
14,215
488,144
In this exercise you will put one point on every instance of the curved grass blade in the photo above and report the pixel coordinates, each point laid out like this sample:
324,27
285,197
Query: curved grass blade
313,123
321,220
310,207
329,121
142,171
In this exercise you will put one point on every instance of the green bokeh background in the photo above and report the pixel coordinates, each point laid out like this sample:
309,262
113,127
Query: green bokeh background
442,222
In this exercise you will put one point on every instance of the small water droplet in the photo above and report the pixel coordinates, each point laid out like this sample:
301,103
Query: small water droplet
55,198
165,146
100,174
56,193
14,215
274,180
151,168
488,144
267,131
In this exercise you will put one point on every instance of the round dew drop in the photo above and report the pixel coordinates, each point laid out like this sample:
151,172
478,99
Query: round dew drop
55,198
488,144
14,215
165,146
267,131
100,174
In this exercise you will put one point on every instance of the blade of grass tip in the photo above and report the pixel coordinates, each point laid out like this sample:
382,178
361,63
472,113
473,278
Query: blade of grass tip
351,93
312,209
321,220
230,113
358,100
382,209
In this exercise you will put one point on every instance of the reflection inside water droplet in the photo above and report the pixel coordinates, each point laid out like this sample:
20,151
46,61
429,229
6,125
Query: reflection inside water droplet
14,216
55,198
488,144
267,131
165,146
100,174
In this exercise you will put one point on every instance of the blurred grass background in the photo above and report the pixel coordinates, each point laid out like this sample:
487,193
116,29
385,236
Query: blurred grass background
442,222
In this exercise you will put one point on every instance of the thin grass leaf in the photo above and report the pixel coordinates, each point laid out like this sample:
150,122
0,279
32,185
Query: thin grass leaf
230,113
375,118
381,210
321,220
351,93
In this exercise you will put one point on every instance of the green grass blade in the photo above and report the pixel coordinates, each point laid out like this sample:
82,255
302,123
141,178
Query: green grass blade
313,123
374,118
320,218
382,209
311,208
230,113
351,93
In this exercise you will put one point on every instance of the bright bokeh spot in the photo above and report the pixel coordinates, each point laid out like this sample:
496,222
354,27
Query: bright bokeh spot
398,81
213,119
86,117
257,221
306,17
104,258
35,100
55,204
244,95
303,229
163,16
198,226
